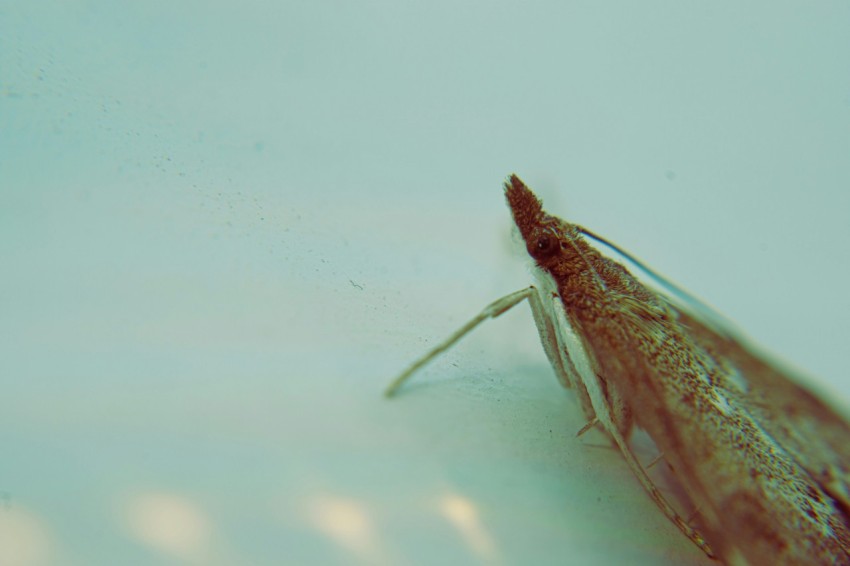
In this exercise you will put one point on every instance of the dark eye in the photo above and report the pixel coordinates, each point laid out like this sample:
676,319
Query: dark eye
544,246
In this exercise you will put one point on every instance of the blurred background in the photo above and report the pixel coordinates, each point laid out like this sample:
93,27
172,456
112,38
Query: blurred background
225,226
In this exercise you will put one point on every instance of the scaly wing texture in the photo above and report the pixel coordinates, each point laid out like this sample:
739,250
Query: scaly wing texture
810,430
758,501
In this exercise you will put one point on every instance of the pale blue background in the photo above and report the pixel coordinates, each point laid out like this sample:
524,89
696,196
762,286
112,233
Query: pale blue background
225,226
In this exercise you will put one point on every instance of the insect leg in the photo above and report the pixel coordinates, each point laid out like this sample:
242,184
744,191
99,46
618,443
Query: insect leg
654,461
492,310
693,515
590,424
640,472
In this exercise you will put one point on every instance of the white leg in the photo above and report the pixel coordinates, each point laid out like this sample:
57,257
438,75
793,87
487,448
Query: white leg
542,321
545,329
492,310
549,339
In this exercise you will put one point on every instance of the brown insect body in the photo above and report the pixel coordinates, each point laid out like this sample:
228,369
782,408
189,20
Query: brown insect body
765,461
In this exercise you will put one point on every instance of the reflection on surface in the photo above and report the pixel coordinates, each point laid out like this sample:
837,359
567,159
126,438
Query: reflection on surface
346,521
461,513
170,524
24,540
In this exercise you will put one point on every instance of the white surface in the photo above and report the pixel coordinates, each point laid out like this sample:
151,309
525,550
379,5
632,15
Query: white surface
224,227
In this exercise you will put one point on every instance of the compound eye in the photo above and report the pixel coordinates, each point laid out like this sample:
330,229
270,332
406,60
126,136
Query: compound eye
544,246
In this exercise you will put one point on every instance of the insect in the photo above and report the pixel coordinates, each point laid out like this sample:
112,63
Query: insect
763,460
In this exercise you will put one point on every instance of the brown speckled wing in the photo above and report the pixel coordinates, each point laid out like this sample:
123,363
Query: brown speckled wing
808,428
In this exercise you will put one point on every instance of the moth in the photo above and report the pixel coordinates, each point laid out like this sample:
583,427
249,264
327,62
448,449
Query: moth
763,460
